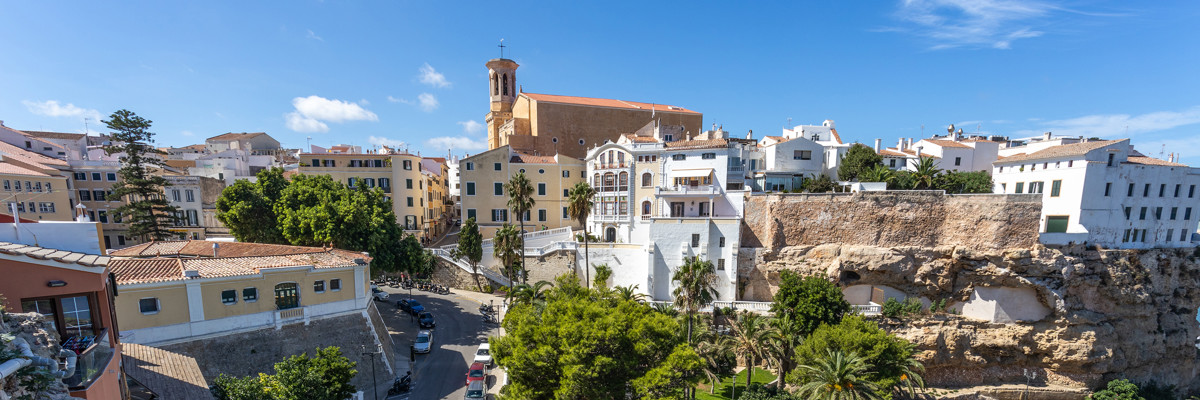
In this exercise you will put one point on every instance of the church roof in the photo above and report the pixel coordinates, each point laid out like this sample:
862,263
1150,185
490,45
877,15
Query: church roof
611,103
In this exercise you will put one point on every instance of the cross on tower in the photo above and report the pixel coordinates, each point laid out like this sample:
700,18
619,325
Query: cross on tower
501,46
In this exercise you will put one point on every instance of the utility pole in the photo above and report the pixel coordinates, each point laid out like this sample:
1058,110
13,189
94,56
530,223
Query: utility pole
374,383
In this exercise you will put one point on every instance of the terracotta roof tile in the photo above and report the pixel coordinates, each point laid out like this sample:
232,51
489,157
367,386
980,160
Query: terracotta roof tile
640,139
235,136
29,157
145,270
55,135
66,257
203,248
836,137
1066,150
1152,161
947,143
522,158
611,103
11,169
891,152
696,144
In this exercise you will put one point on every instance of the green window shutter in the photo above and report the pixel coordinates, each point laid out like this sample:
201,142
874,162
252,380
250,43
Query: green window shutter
1056,224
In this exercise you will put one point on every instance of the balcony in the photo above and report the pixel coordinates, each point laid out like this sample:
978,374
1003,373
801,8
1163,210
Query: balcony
617,165
612,188
609,218
688,190
90,363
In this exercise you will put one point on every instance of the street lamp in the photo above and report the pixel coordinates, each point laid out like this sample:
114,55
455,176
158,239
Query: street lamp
374,383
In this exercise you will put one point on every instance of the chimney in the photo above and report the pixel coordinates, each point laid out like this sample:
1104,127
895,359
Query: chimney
215,248
919,151
878,144
900,144
908,145
1046,136
750,134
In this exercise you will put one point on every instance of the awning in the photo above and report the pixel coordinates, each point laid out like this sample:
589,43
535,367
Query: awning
692,173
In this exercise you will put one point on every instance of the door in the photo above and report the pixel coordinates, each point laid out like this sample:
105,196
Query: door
610,234
703,209
676,209
287,295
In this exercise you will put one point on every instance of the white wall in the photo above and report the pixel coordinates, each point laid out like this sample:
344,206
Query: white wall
81,237
1005,305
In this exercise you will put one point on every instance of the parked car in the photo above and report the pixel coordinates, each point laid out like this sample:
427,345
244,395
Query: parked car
426,320
415,307
403,305
477,372
484,354
378,293
476,390
424,342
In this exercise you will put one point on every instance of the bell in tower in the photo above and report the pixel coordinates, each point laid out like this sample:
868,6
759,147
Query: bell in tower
502,84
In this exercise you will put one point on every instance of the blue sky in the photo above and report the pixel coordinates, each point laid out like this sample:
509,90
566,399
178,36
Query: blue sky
412,72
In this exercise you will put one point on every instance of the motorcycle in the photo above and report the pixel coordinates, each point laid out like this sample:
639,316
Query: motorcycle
401,385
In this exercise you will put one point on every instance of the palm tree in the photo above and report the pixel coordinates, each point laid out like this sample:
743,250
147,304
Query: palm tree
526,294
666,309
878,173
628,293
750,337
579,207
837,376
910,379
714,350
925,173
696,279
504,248
520,200
782,346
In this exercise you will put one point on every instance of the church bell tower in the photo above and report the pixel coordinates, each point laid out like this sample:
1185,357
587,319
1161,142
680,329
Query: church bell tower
502,84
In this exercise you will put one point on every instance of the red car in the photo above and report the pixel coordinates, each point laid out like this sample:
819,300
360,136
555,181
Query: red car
477,372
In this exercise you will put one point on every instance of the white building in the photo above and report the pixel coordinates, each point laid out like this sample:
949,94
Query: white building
1106,193
952,152
660,202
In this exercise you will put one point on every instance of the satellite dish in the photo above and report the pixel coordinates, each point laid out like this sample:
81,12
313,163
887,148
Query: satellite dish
950,129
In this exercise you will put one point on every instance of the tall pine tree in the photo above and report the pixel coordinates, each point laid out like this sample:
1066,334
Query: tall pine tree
146,209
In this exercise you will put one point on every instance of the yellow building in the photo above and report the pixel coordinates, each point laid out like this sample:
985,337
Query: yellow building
482,178
172,291
439,206
402,178
34,185
544,124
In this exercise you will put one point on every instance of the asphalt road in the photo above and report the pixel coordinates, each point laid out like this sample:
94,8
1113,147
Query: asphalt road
460,330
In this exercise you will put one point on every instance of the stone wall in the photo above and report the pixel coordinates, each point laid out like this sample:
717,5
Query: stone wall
43,342
892,219
1113,313
550,266
257,351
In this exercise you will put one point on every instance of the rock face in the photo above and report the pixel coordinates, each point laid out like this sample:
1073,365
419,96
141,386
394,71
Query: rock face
1111,314
43,341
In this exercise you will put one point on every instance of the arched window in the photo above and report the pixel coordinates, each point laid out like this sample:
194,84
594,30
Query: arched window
646,177
506,84
646,207
595,180
287,295
609,179
621,158
495,85
623,180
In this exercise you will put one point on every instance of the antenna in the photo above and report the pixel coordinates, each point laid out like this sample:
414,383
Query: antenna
85,125
1164,150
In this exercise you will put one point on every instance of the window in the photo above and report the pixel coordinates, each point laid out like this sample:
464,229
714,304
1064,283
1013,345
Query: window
1177,187
352,182
708,156
84,195
148,306
98,194
1146,191
541,189
1107,188
408,183
542,215
498,188
45,207
1143,236
957,161
103,216
1191,191
120,240
1125,239
566,214
410,222
695,240
316,162
1174,211
1157,212
1020,187
566,193
802,155
175,193
893,164
191,195
319,286
499,215
335,284
1170,234
228,297
1038,186
18,184
1055,188
679,157
111,176
721,242
1183,235
720,264
408,165
496,166
1135,236
470,188
1111,157
470,166
566,174
646,179
1130,194
1162,189
95,176
81,176
28,186
385,183
410,202
1142,215
77,315
1070,163
470,213
37,187
1128,212
1187,214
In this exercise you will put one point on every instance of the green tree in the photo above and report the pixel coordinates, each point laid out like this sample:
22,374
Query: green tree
809,301
326,376
836,376
579,207
878,173
505,247
925,173
412,257
858,159
696,279
782,346
470,247
751,337
888,358
149,215
520,201
717,353
1118,389
818,184
628,293
581,345
529,294
965,182
603,272
248,208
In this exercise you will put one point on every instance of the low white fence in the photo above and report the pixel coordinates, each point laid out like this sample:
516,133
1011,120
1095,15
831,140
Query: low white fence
486,272
757,307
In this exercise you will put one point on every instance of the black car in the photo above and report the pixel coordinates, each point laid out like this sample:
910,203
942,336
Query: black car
403,305
426,320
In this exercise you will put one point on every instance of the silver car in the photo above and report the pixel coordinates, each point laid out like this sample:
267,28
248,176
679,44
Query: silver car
424,342
476,390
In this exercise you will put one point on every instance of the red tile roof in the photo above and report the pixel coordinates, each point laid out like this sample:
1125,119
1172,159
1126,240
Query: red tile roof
147,270
836,137
63,256
611,103
29,157
55,135
640,139
947,143
1066,150
891,152
11,169
235,136
144,270
203,248
696,144
522,158
1152,161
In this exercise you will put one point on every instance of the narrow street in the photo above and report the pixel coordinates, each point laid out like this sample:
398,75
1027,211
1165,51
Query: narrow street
460,330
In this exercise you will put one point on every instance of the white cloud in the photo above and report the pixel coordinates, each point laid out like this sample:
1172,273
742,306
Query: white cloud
977,23
382,141
456,143
313,112
187,133
51,108
313,36
471,127
427,101
398,100
1120,125
431,77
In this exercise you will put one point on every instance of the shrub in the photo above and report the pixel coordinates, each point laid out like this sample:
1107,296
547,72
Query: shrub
893,308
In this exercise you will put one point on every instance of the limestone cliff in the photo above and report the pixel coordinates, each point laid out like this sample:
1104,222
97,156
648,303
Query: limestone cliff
43,342
1077,316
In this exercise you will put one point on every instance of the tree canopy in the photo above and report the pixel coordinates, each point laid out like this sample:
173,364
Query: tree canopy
809,301
326,376
858,159
149,215
585,344
315,210
885,356
470,247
